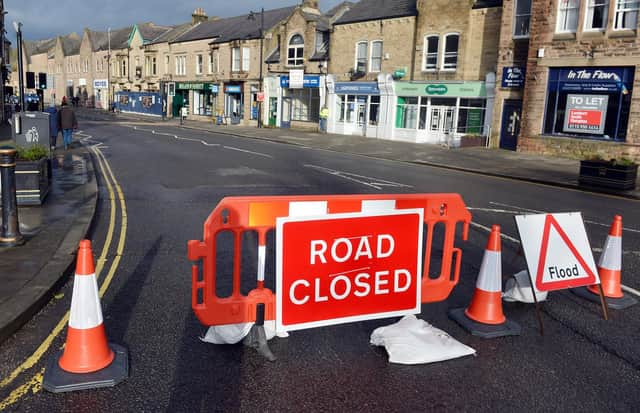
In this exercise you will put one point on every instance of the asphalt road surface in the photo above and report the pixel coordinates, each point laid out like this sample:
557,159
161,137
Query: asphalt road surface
159,184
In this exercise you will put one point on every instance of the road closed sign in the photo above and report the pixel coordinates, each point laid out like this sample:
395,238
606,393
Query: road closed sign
341,268
557,250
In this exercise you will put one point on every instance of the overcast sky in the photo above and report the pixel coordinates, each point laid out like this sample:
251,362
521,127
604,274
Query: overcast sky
42,19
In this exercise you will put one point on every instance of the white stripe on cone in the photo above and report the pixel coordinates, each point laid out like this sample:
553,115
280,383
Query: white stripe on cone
611,257
85,303
490,277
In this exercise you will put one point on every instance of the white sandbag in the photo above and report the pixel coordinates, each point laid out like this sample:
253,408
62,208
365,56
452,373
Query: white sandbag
518,288
414,341
234,333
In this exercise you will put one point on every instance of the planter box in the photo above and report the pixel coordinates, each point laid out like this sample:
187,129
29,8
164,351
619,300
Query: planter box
33,179
608,175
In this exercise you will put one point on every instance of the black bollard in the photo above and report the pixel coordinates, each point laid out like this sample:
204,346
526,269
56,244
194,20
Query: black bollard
257,337
10,235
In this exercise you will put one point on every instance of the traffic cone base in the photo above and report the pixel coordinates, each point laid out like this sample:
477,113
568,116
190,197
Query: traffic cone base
508,328
611,283
86,350
486,307
625,301
57,380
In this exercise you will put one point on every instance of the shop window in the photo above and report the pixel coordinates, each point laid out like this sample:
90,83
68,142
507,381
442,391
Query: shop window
431,53
296,51
567,16
361,57
522,19
376,56
471,116
424,113
626,14
450,58
235,59
407,112
246,59
305,104
597,12
374,110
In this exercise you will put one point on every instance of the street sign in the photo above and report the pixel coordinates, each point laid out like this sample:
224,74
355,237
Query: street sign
341,268
557,250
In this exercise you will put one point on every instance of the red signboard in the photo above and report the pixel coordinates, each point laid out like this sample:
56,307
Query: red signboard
347,267
590,118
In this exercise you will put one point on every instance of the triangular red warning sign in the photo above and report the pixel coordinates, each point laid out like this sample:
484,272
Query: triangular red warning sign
561,278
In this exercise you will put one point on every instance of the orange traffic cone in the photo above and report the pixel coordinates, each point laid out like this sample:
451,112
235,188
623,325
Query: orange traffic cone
484,316
610,272
88,360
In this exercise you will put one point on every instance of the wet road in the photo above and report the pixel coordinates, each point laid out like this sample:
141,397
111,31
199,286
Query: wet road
157,187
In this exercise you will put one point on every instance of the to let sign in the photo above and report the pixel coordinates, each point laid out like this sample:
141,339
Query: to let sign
342,268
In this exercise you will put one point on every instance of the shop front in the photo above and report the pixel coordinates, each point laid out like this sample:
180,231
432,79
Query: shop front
101,92
199,97
234,102
300,103
356,108
589,102
440,113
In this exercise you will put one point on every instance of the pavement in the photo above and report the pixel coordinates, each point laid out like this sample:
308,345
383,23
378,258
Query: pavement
31,273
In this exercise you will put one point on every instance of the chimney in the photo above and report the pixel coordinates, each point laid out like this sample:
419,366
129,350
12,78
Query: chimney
310,6
198,16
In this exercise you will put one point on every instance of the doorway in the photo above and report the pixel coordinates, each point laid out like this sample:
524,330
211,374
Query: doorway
441,121
510,126
286,113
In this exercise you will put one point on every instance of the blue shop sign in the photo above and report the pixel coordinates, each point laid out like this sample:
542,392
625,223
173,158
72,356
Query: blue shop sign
214,88
357,88
513,77
309,81
232,89
591,79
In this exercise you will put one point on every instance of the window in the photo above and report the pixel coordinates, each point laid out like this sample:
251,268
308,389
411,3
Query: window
211,63
597,12
215,62
322,41
235,59
181,65
361,57
199,64
407,112
295,57
626,14
376,56
154,66
305,104
567,16
150,65
522,18
167,61
431,53
123,73
450,57
246,59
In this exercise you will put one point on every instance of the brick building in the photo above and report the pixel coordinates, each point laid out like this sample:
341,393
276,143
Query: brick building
579,98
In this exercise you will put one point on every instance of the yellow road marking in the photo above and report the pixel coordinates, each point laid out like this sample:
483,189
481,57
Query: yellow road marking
35,382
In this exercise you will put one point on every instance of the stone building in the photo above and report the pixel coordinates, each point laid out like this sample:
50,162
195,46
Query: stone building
580,97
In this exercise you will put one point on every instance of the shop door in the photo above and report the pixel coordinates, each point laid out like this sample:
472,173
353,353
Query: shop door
441,122
510,127
286,113
273,111
361,116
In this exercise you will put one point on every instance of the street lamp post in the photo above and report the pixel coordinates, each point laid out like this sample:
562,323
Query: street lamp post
18,27
252,17
109,69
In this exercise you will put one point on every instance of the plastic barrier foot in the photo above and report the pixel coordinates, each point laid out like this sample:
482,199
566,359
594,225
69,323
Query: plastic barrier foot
257,338
615,303
57,380
508,328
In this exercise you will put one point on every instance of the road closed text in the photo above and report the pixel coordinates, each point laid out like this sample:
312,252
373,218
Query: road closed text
350,267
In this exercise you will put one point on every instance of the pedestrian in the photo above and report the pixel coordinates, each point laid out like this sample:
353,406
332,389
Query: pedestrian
324,115
53,124
67,122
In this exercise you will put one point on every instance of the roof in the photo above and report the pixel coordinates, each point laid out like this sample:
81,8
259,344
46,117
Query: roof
71,44
119,38
485,4
273,57
345,4
235,28
150,31
173,33
367,10
35,47
322,22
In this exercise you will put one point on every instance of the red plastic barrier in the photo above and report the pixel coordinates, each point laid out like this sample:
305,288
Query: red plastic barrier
258,214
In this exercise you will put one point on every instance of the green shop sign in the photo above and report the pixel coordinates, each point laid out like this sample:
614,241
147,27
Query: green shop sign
399,73
193,86
461,89
436,90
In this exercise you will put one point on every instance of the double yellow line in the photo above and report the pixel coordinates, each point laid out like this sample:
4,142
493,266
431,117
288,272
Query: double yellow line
34,383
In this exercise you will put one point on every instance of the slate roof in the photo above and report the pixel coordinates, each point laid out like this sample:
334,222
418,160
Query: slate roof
273,57
367,10
35,47
71,44
484,4
322,21
235,28
172,34
151,31
332,12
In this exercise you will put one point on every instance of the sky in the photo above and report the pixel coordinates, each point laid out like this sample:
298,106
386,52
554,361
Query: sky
43,19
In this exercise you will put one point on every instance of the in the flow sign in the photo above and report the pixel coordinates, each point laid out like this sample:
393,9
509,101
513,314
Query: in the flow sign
557,250
341,268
